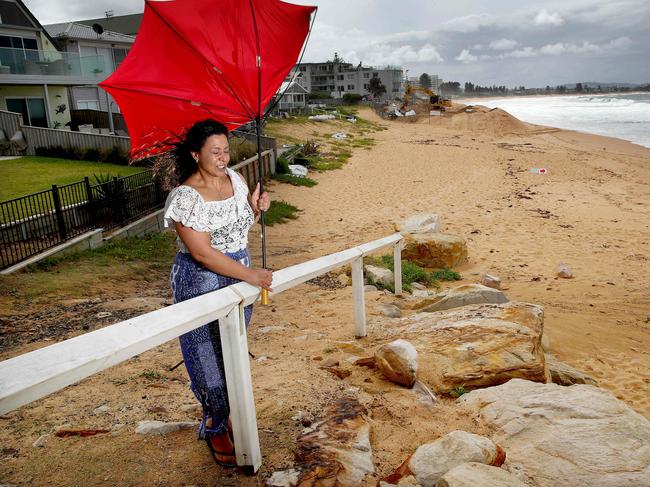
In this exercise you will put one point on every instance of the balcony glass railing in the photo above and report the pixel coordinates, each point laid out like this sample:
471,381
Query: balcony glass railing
51,63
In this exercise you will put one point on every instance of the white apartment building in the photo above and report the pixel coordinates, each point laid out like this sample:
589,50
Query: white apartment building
436,81
337,78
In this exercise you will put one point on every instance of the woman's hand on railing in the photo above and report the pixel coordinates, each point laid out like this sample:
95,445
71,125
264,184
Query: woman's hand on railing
261,278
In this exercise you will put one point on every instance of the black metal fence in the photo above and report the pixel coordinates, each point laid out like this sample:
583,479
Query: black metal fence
34,223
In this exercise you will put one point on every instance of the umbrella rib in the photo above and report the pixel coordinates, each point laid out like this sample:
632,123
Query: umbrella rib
258,61
225,78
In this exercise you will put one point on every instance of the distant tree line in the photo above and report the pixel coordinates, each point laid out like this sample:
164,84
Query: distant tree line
454,88
493,90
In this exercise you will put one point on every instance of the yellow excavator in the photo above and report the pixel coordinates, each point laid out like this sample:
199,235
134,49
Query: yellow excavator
437,102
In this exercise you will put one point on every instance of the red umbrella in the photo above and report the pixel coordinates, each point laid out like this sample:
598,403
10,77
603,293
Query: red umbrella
197,59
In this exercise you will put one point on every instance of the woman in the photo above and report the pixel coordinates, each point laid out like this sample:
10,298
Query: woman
211,211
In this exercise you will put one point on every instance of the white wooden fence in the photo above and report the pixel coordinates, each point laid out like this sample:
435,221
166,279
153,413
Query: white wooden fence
36,374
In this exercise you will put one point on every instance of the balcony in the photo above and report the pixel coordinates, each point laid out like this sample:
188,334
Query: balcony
15,63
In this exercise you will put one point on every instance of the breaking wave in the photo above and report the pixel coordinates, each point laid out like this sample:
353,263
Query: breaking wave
626,116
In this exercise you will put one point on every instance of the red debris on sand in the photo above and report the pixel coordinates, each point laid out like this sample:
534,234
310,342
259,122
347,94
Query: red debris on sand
80,432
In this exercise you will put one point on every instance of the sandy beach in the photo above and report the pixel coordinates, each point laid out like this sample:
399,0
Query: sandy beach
590,211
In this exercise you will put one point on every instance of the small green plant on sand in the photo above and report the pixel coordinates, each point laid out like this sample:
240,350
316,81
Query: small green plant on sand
446,275
152,375
414,273
458,391
280,212
294,180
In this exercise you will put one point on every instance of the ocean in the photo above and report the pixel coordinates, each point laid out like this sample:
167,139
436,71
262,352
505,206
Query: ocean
626,116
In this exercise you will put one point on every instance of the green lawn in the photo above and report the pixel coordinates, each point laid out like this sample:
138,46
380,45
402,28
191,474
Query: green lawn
30,174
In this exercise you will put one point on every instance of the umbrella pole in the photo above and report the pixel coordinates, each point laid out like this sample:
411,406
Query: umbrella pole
258,128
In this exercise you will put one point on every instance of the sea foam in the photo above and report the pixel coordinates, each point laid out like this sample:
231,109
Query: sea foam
626,116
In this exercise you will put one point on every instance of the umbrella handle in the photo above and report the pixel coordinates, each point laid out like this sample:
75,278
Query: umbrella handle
265,297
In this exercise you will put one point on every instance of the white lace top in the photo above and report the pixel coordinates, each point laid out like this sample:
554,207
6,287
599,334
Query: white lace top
227,221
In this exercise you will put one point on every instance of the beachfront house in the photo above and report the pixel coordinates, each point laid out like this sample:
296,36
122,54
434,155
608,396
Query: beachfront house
47,72
294,97
34,74
91,42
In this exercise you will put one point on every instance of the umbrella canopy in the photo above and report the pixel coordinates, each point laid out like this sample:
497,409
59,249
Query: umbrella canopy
198,59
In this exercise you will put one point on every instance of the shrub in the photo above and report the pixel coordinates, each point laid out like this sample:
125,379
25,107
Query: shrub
91,155
114,155
310,148
282,165
294,180
60,152
319,95
351,98
413,273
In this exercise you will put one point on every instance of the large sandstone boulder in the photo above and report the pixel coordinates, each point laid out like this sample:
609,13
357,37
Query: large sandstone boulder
398,361
579,435
422,223
526,314
475,346
491,281
435,250
333,452
462,296
564,374
380,274
478,474
432,460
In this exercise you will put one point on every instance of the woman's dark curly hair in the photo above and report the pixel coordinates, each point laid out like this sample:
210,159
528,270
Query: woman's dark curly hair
176,165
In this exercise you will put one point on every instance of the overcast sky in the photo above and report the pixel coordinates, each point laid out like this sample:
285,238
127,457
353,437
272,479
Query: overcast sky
511,42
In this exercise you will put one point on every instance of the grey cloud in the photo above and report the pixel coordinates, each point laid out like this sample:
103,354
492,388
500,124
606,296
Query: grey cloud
545,17
534,42
502,44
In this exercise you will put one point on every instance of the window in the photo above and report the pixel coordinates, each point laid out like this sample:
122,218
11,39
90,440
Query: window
365,87
350,76
88,105
350,87
374,75
302,68
366,75
11,14
339,88
118,55
340,77
32,110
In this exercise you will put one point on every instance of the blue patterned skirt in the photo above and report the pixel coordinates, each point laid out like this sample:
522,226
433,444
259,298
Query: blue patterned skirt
201,347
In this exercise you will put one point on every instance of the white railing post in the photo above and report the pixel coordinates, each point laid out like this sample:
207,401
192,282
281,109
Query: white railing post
397,267
234,345
358,295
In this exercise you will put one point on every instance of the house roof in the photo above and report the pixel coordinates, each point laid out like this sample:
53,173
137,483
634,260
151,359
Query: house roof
75,30
290,87
124,24
35,20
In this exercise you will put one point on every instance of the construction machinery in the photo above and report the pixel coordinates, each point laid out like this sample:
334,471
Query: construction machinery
436,102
